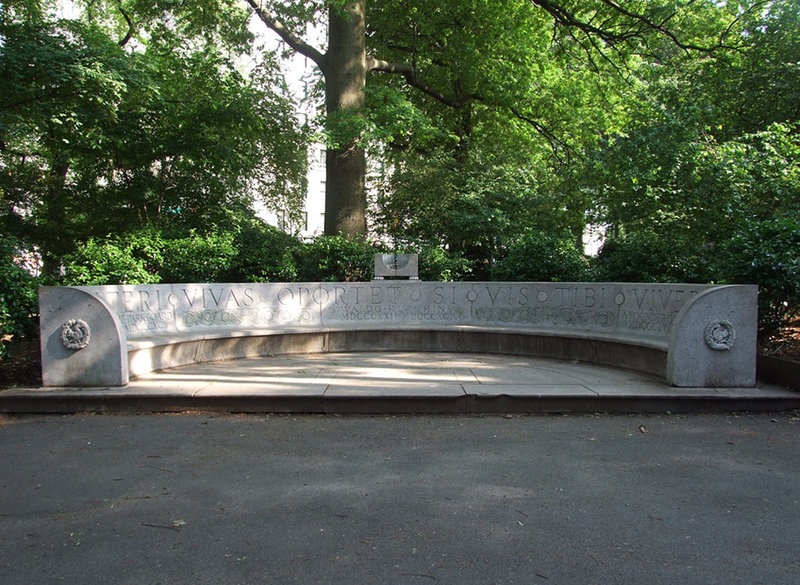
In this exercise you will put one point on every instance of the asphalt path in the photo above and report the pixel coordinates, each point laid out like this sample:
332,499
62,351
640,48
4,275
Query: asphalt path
185,499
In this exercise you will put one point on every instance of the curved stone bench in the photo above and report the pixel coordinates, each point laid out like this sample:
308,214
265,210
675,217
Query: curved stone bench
690,335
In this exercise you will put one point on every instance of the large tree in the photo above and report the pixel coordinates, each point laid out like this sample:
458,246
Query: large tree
713,144
344,66
98,136
600,32
482,68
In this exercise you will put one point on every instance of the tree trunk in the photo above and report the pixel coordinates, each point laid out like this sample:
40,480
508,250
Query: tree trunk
54,240
345,70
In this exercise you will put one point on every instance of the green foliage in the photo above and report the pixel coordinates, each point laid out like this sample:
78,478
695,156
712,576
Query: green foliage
98,138
514,100
752,88
495,70
336,259
18,297
115,260
471,204
648,257
395,122
703,183
766,253
686,208
542,257
240,248
197,257
245,250
263,254
439,265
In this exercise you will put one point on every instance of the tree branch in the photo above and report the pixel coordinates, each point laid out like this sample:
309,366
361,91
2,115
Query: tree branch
288,36
639,25
124,41
556,144
659,28
412,79
373,64
40,97
565,18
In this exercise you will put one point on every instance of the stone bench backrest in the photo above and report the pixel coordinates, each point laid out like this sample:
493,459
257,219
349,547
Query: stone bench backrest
639,311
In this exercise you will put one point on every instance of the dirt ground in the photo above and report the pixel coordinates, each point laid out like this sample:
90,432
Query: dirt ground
23,367
786,346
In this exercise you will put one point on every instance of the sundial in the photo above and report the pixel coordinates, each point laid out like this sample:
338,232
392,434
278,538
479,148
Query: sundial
395,261
397,265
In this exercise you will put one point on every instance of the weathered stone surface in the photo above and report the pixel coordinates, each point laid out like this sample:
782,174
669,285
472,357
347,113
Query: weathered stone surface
713,342
664,329
82,342
638,311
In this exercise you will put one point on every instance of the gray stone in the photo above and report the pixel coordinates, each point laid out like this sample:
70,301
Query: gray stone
692,335
714,341
396,265
81,339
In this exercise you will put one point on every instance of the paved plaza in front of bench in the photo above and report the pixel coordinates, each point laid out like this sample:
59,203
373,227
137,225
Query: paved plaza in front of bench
397,382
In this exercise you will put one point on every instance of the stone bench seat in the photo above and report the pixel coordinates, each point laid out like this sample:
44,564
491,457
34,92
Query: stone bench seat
689,335
160,352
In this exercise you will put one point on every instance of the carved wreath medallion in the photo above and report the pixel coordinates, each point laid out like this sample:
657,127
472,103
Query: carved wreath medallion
75,334
720,335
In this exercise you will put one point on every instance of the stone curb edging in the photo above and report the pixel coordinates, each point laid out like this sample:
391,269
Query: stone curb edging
71,401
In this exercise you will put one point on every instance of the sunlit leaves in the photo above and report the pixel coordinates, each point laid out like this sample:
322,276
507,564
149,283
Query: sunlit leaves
99,138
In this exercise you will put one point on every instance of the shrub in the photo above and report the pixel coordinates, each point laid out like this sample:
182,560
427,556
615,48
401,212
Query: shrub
437,264
335,258
539,256
649,257
197,257
252,252
767,253
263,254
18,298
114,260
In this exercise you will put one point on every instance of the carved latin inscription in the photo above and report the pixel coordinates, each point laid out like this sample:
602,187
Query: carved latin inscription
641,310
